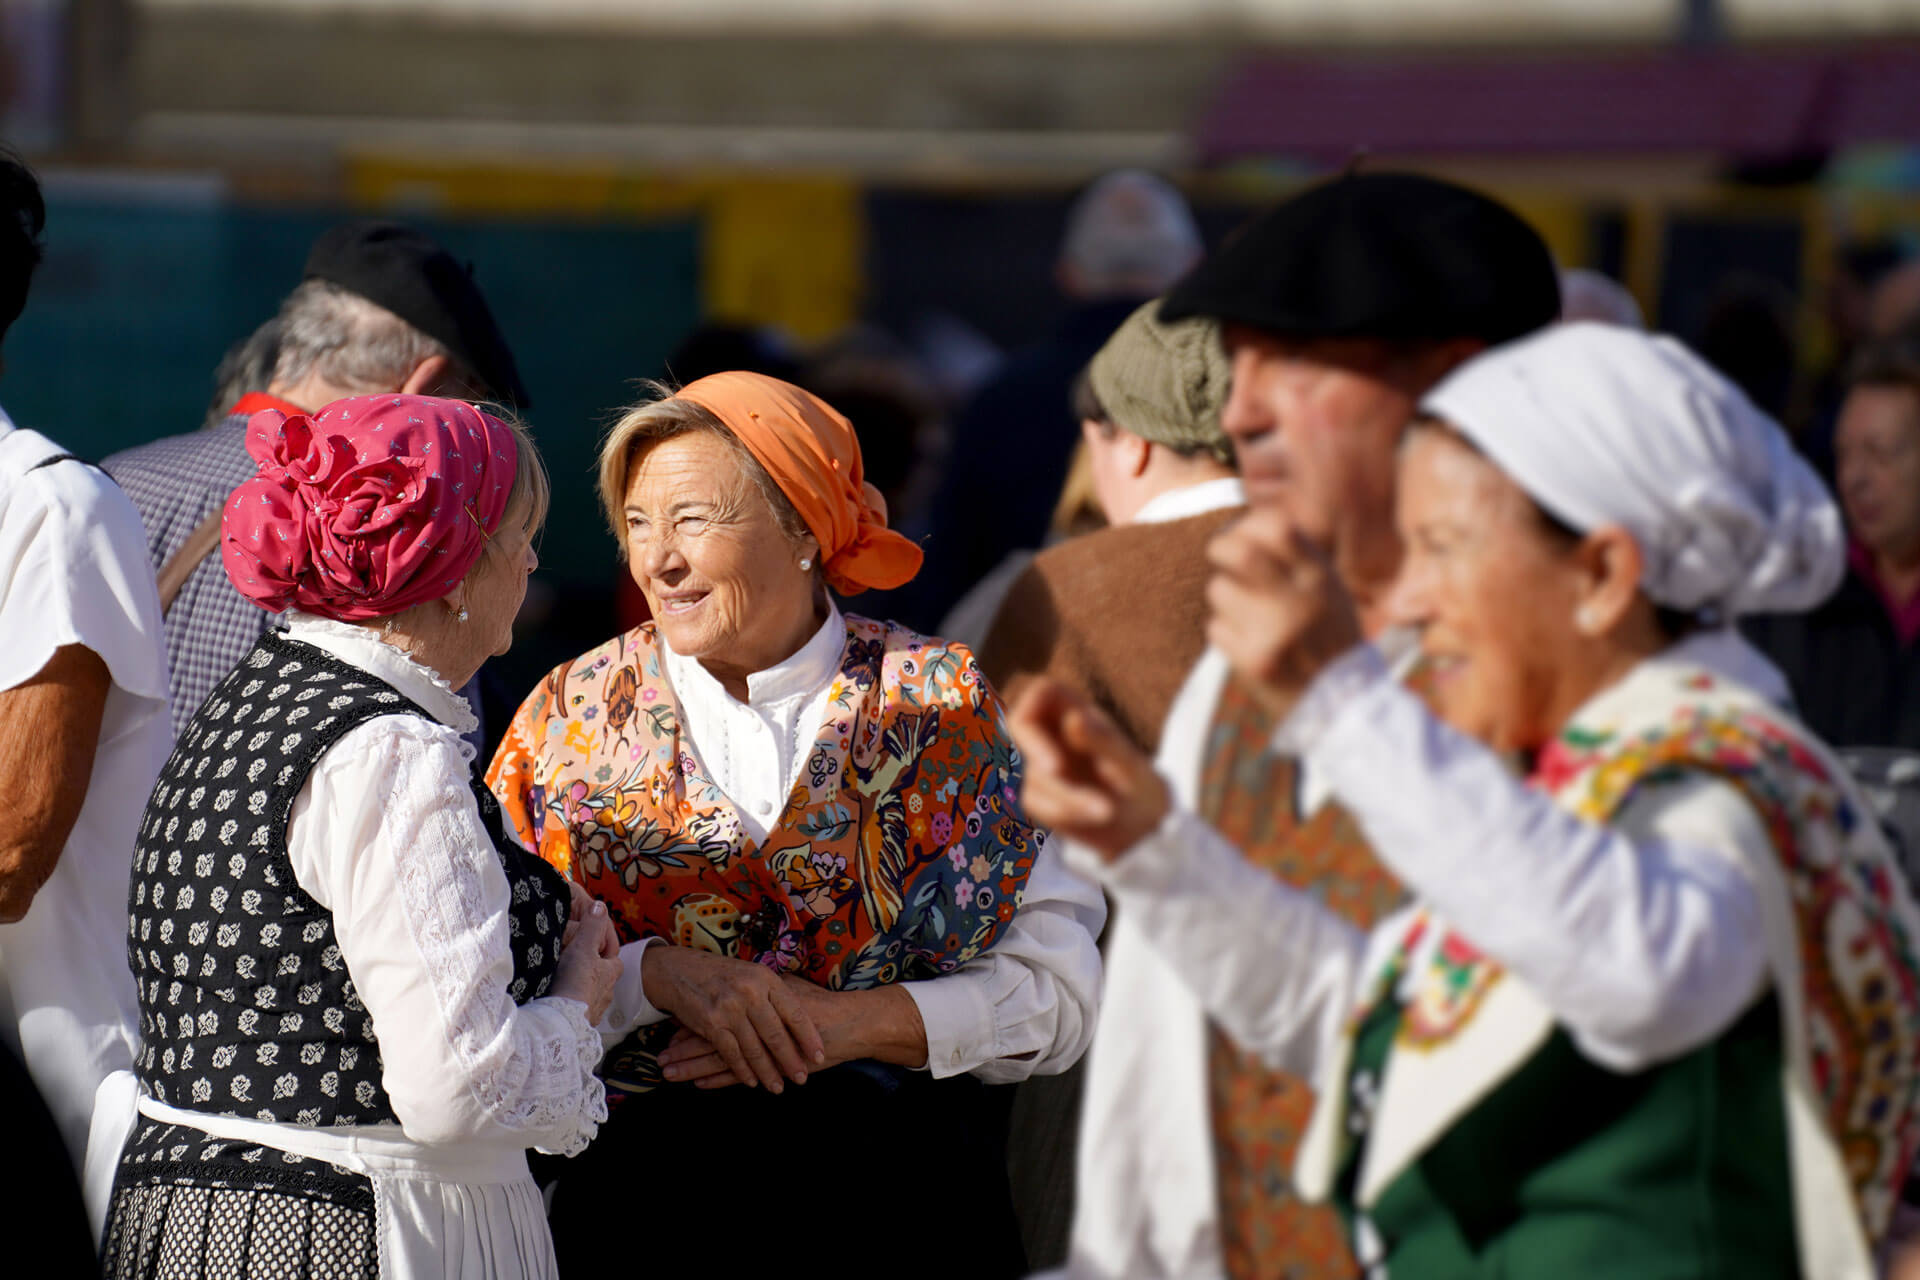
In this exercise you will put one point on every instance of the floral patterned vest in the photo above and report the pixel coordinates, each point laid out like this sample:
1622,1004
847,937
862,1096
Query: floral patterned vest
900,854
1841,933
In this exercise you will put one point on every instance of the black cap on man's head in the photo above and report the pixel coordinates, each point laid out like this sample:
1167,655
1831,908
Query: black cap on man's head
1379,255
411,275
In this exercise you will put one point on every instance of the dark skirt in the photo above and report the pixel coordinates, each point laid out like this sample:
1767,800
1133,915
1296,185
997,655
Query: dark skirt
39,1195
864,1170
187,1206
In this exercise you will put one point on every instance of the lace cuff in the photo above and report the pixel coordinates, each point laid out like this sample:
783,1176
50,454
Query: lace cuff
570,1135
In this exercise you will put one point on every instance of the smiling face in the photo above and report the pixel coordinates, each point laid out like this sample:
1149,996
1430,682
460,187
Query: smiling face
1495,596
724,583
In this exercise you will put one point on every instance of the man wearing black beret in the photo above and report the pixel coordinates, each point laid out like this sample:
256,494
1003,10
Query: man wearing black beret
1339,308
380,307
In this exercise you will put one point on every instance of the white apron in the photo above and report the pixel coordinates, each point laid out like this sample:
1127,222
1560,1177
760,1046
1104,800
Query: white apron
464,1212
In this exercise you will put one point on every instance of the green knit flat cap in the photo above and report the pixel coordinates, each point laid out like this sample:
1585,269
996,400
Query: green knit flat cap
1165,381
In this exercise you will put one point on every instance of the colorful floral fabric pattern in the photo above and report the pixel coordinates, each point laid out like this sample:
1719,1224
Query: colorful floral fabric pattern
1859,971
901,852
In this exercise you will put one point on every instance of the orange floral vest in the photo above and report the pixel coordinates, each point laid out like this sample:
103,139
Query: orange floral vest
900,854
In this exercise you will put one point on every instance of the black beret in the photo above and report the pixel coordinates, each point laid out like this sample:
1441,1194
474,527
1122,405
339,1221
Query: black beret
411,275
1379,255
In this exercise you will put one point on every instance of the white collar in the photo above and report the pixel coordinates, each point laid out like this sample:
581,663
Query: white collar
1191,500
802,672
363,648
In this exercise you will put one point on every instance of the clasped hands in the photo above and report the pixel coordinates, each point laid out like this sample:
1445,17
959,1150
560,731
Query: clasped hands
742,1023
1280,615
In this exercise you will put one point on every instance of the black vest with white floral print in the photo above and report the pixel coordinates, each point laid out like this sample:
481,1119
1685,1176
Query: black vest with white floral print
246,1006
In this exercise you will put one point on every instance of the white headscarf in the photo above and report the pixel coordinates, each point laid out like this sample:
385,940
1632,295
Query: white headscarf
1606,426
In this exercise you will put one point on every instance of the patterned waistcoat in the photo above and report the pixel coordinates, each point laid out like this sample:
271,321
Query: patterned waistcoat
900,853
1259,1114
246,1006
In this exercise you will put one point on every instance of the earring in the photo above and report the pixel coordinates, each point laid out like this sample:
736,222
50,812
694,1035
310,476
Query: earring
461,614
805,564
1586,620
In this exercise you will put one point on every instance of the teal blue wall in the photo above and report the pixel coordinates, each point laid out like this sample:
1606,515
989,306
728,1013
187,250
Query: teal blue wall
135,305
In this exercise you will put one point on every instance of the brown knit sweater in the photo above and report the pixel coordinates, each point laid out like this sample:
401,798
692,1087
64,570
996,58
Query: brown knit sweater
1119,613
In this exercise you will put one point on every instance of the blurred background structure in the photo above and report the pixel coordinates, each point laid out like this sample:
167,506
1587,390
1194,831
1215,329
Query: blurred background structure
875,189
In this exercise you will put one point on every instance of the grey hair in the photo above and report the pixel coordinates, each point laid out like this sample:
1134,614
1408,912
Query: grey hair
247,367
349,342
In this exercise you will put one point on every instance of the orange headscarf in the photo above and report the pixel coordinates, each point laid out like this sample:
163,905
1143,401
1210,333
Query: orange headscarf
813,455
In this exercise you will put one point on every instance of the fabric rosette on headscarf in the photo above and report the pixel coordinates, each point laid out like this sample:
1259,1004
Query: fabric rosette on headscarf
1606,426
371,506
812,453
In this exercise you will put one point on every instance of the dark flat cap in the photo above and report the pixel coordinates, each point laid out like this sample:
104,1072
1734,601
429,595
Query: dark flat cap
1379,255
411,275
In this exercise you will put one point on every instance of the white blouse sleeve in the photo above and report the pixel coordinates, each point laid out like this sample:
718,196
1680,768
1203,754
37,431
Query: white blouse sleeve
1027,1006
1278,971
1643,936
386,835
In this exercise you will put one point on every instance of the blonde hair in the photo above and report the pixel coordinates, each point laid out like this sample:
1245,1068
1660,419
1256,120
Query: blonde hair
663,418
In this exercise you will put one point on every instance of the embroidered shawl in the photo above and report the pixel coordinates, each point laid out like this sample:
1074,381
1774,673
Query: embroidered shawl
1841,929
901,851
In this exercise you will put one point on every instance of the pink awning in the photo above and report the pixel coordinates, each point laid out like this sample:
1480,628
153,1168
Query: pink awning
1737,102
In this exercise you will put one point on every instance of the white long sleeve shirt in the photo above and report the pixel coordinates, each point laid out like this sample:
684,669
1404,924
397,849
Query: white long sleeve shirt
386,835
1024,1008
1644,935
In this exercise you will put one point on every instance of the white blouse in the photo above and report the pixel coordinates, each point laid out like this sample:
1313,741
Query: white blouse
73,570
1644,935
386,835
1024,1008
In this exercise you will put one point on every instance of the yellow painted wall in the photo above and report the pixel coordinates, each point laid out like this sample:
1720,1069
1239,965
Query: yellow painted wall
787,251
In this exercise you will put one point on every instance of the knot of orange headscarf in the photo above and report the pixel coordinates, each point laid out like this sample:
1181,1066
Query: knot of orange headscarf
813,455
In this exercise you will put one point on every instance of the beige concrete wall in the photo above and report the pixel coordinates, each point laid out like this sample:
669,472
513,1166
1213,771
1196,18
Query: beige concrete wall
1395,20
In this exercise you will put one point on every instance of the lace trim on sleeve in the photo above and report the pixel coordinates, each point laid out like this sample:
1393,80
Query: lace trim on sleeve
529,1067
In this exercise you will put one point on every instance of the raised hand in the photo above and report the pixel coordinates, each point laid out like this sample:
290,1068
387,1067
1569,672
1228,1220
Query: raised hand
1084,779
1279,610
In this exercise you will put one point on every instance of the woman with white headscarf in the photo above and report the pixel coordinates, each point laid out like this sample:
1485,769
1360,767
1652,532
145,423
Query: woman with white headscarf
1652,1011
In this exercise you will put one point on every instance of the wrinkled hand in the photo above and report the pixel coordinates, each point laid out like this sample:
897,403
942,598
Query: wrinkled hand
577,912
742,1011
1084,779
589,961
1279,610
882,1023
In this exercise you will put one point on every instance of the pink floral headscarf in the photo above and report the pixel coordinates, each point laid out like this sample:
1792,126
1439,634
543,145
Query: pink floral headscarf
371,506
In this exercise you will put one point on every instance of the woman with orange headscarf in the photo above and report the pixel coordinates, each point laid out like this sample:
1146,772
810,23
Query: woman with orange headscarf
806,827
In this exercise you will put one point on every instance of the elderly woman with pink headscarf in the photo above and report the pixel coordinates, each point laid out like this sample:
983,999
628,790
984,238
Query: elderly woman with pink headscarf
361,1001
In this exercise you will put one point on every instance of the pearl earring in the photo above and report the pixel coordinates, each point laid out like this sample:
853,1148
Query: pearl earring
1586,620
805,564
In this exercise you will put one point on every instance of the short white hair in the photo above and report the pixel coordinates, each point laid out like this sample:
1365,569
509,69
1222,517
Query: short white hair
351,342
1589,295
1129,234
